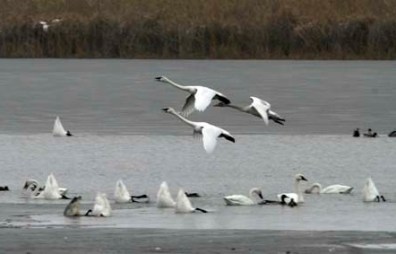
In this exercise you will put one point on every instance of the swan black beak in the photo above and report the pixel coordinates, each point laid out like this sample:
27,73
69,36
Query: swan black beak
158,78
260,195
165,109
303,178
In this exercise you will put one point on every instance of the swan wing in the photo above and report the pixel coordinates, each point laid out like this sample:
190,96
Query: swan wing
164,198
101,206
121,194
262,107
238,200
188,107
209,137
51,189
183,204
203,97
58,130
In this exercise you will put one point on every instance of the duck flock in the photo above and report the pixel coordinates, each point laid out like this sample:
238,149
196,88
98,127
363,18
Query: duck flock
199,100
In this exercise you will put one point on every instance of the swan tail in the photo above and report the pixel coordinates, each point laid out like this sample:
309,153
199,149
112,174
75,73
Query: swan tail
201,210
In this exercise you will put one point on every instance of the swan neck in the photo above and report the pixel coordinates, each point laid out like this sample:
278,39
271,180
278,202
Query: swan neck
175,84
297,189
240,108
183,119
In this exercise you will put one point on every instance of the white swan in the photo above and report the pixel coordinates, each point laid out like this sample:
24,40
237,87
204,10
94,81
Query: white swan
183,204
50,191
164,198
58,130
331,189
296,197
209,132
33,185
200,96
371,193
101,207
121,194
243,200
258,108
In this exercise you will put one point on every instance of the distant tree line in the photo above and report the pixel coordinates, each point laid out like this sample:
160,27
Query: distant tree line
198,29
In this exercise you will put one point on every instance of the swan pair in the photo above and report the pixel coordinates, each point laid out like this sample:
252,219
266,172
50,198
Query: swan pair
182,204
50,190
331,189
371,193
58,130
121,194
101,207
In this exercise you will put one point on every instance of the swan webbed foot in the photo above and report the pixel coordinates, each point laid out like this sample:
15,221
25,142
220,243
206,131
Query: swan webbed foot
201,210
88,212
383,198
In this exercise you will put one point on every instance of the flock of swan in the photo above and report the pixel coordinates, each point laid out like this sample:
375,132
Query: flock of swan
199,100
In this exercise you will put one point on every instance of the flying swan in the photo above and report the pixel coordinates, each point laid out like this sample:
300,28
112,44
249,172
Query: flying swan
121,194
331,189
58,130
209,132
241,200
200,96
183,204
258,108
296,197
371,193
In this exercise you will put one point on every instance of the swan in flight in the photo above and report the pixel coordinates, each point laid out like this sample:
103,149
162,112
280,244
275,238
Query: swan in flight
200,96
58,130
209,132
331,189
371,193
243,200
101,207
32,185
121,194
50,191
258,108
164,198
296,197
183,204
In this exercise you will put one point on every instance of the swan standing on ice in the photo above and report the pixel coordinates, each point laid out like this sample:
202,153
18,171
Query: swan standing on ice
164,198
371,193
101,207
183,204
243,200
331,189
200,96
58,130
209,132
122,195
258,108
296,197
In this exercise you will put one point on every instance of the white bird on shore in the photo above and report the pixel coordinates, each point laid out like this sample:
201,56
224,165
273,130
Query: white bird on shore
371,193
164,198
242,200
296,197
183,204
101,207
58,130
209,132
258,108
331,189
200,96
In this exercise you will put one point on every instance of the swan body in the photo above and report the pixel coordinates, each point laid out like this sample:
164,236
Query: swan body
183,204
58,130
164,198
50,191
200,96
73,208
297,196
121,193
258,108
242,200
101,207
371,193
331,189
34,186
209,132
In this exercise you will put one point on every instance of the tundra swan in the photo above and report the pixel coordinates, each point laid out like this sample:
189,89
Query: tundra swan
258,108
101,207
50,191
209,132
32,185
371,193
73,208
121,194
58,130
199,98
296,197
243,200
183,204
331,189
164,198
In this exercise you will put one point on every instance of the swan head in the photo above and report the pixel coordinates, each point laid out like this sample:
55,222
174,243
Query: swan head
169,110
33,184
162,79
300,177
256,191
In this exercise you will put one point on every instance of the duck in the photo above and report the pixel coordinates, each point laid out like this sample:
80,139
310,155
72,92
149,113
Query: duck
296,197
371,193
101,207
58,130
242,200
258,108
121,194
209,132
183,204
331,189
200,96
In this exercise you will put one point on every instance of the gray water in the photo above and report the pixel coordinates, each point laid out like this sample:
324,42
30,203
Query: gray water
113,108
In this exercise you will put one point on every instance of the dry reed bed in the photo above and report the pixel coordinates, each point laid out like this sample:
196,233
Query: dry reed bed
239,29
